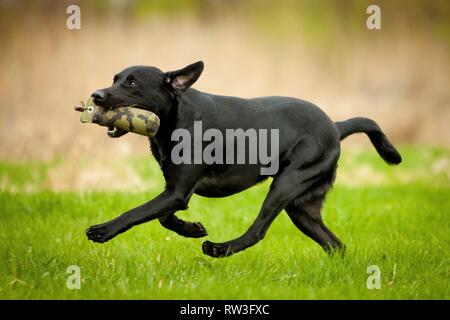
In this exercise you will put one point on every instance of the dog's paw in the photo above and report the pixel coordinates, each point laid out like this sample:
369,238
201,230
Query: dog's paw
100,233
216,250
194,230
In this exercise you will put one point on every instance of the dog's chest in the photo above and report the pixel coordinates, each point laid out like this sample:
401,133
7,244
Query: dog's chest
157,150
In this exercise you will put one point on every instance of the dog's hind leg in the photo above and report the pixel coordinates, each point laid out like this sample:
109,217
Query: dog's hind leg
290,184
183,228
307,217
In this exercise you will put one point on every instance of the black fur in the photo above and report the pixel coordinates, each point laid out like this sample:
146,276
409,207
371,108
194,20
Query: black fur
309,148
384,148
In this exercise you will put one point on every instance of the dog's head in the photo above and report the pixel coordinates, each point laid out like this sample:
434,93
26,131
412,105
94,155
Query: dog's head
148,88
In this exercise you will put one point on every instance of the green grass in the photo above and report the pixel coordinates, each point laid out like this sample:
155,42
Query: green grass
403,227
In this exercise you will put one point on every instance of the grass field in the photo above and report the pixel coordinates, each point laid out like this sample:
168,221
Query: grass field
394,217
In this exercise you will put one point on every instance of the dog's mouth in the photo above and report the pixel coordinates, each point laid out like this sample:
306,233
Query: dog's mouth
111,129
114,106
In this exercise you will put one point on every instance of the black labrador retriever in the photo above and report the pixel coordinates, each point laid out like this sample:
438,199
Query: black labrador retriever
308,151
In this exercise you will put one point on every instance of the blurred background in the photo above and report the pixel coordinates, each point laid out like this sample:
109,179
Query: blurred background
320,51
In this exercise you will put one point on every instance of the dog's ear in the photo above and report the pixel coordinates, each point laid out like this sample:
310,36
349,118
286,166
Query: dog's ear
180,80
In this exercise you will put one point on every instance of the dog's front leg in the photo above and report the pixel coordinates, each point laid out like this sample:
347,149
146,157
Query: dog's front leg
165,203
183,228
180,185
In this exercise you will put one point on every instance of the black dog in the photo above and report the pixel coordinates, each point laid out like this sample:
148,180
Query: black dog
309,148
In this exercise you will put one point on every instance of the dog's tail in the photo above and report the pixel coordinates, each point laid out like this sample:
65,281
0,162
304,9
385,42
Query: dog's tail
357,125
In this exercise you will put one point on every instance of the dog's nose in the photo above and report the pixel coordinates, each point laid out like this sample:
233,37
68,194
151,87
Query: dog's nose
98,95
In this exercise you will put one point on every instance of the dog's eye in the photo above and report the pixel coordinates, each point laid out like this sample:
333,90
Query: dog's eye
131,83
